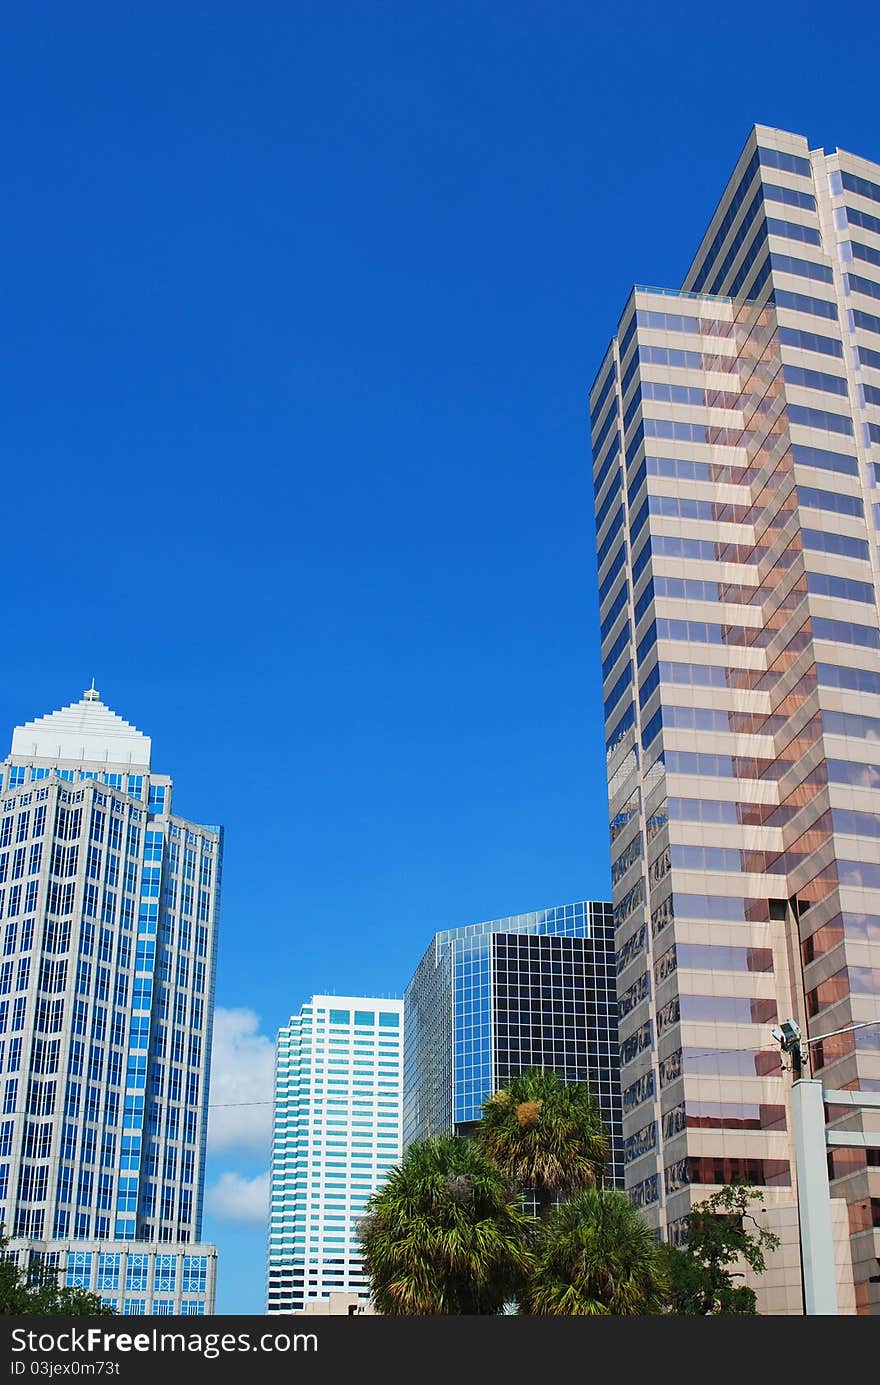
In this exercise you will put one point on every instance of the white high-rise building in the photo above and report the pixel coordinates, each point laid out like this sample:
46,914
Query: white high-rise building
337,1132
108,920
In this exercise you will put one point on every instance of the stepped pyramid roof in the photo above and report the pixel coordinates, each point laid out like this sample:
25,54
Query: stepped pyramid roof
85,731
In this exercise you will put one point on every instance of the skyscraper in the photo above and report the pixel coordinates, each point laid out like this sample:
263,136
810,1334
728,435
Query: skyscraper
490,999
736,444
337,1132
109,905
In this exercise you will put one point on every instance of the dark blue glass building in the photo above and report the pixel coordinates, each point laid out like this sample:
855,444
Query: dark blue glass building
490,999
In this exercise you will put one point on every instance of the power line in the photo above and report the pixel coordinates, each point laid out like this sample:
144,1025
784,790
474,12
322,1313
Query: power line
216,1105
694,1053
863,1024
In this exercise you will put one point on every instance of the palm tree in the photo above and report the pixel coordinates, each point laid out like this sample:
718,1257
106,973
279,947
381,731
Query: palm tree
446,1233
545,1134
596,1256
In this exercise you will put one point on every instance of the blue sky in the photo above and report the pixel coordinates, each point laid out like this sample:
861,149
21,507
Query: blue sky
301,306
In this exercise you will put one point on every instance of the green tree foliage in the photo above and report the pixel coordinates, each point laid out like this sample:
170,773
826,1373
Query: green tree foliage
35,1290
721,1230
446,1233
596,1256
545,1134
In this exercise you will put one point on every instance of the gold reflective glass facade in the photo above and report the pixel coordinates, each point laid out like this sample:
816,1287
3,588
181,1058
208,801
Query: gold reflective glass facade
736,445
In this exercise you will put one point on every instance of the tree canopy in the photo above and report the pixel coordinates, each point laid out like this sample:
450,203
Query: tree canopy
721,1230
446,1234
450,1233
546,1134
35,1290
596,1256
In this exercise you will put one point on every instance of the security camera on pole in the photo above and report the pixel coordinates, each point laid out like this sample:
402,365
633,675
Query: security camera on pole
788,1036
811,1140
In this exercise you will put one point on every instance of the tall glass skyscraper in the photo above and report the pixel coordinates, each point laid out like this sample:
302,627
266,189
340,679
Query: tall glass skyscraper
109,906
736,444
490,999
337,1132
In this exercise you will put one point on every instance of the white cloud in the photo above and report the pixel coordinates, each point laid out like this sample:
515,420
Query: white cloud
242,1082
233,1198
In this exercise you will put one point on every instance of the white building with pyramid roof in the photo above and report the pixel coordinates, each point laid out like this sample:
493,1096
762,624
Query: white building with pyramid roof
109,906
86,730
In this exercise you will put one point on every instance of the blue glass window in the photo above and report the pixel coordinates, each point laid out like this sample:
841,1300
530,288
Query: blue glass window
808,269
825,584
855,283
667,322
803,303
814,379
822,542
607,462
790,163
793,230
820,418
866,321
623,683
605,429
627,335
865,252
862,186
742,192
825,460
79,1269
846,632
615,651
614,611
611,540
833,501
792,197
653,729
607,385
757,251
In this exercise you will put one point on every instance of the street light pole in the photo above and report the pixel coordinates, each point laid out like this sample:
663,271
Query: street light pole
811,1140
814,1198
